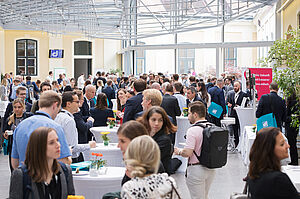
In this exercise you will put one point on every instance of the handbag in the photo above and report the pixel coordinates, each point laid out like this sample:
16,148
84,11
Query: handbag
244,195
215,110
267,120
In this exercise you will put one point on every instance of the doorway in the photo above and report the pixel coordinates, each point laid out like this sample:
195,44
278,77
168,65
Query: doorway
82,66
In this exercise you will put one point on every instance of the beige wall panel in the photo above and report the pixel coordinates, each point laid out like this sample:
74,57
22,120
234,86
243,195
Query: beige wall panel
2,51
111,47
99,58
43,50
290,15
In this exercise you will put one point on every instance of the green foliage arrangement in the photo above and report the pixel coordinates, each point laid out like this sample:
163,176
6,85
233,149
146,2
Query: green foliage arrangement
284,57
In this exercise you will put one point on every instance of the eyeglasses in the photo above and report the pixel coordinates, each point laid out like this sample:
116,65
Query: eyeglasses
76,101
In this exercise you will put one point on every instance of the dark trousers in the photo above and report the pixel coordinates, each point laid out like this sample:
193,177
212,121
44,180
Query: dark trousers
236,130
216,121
291,133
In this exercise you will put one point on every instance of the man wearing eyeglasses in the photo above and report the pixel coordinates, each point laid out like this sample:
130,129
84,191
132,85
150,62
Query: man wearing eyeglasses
70,105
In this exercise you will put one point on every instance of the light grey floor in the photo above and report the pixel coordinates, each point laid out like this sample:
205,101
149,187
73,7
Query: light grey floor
228,179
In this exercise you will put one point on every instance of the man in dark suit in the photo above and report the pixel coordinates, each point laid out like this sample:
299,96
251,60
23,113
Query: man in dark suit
234,99
20,93
217,96
110,93
192,96
88,103
272,103
170,103
133,105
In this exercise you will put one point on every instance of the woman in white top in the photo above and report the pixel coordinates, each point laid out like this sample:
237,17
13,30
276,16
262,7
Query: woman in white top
203,94
142,159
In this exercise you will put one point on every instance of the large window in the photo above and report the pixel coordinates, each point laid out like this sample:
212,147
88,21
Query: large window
82,48
26,57
230,57
186,60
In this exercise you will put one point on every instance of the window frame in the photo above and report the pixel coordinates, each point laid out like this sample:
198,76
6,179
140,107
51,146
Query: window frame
26,57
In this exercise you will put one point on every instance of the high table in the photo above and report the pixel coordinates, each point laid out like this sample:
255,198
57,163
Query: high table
111,153
96,187
3,105
294,174
246,118
183,125
113,138
246,143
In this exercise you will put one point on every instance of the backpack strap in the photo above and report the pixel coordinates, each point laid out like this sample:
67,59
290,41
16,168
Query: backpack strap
26,182
66,172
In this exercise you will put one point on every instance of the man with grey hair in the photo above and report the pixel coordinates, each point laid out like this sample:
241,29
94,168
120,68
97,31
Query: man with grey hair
90,92
217,96
163,87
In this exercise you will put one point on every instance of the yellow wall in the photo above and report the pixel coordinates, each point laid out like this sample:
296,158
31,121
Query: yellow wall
10,50
101,59
290,14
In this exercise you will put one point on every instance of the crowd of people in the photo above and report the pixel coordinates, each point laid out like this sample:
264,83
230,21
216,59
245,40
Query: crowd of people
57,114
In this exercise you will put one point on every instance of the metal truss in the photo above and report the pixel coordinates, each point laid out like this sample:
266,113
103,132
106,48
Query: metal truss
124,19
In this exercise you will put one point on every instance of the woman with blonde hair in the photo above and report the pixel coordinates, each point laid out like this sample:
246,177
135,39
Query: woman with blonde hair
46,177
17,116
4,90
142,167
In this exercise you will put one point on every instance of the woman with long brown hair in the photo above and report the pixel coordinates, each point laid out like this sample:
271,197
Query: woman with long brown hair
101,111
121,101
46,177
17,116
265,177
159,126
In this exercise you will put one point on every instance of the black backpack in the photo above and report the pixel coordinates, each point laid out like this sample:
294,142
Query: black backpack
214,146
27,179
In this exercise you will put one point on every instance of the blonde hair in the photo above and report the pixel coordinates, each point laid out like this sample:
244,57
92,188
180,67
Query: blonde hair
142,156
11,119
153,95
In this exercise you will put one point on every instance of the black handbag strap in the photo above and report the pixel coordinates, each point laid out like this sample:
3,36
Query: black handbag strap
271,104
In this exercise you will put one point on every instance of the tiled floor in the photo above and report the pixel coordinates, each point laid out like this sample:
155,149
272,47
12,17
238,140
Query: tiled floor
228,179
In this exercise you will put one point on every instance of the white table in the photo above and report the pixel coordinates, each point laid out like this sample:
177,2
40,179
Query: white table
3,105
246,143
111,153
225,122
183,125
294,174
114,101
184,160
246,118
96,187
113,138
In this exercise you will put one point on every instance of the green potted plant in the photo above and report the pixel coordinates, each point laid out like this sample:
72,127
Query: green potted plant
105,138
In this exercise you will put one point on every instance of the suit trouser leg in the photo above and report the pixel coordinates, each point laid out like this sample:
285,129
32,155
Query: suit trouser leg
292,139
199,179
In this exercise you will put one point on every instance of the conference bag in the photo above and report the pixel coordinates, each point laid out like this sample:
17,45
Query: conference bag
215,110
267,120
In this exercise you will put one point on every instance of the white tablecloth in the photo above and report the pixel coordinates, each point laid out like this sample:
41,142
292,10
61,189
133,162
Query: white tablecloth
112,136
96,187
182,124
294,174
246,143
246,118
114,101
111,153
3,105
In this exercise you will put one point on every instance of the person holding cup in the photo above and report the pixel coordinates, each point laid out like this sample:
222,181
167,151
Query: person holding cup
12,122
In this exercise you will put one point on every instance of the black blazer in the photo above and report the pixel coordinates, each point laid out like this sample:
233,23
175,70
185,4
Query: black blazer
9,110
84,109
165,146
231,99
101,116
171,106
83,127
279,107
133,105
217,96
272,185
110,94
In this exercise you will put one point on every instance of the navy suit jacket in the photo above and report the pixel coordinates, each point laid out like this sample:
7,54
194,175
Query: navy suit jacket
133,105
83,127
279,107
110,93
171,106
217,96
101,116
85,109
